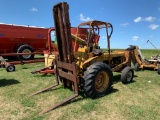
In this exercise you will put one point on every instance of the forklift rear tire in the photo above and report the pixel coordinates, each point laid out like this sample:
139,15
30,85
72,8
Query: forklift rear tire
136,67
10,68
159,69
97,80
127,75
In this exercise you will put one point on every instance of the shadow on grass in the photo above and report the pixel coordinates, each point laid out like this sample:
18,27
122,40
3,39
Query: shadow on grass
43,75
116,79
79,98
112,91
25,68
5,82
47,75
82,96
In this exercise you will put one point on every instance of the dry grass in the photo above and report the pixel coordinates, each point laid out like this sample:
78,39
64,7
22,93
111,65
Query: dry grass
138,100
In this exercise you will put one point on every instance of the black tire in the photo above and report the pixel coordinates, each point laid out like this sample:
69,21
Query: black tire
159,69
25,49
10,68
98,79
127,75
136,67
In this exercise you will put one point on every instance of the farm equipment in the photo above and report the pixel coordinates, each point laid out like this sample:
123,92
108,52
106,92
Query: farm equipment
51,55
140,62
156,57
50,47
86,69
9,67
22,39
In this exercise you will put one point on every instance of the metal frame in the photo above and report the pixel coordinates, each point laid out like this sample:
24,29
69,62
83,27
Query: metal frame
45,70
65,67
4,63
137,57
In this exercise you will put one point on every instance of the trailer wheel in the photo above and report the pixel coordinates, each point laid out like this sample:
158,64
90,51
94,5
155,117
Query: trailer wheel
159,69
10,68
25,49
97,80
136,67
127,75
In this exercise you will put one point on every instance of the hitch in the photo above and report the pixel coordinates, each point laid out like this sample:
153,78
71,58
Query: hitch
9,67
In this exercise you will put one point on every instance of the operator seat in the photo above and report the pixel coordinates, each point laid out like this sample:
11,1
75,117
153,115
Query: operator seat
94,40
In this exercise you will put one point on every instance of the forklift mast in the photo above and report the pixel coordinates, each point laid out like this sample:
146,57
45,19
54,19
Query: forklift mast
63,33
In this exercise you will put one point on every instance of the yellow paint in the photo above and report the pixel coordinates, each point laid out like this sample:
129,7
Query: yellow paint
49,59
81,56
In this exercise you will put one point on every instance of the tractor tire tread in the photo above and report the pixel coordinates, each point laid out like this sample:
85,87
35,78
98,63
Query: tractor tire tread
125,73
90,75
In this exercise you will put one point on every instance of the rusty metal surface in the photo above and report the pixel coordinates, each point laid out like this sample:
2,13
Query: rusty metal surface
15,54
68,73
26,61
65,66
137,57
99,24
58,104
63,33
45,89
69,76
49,39
45,70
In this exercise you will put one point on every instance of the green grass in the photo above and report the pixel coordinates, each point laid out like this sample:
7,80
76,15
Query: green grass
139,100
149,53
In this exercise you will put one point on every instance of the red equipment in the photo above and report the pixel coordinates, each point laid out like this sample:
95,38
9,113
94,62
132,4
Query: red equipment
19,45
50,55
22,39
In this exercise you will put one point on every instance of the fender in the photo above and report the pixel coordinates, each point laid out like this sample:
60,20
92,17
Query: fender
92,60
